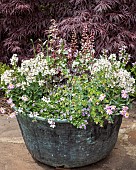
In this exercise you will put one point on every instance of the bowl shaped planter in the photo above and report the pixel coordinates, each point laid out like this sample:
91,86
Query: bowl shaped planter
65,145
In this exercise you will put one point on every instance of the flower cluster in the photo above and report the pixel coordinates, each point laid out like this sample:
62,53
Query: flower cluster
65,83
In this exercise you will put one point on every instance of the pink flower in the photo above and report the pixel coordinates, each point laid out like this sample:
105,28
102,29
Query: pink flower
11,86
12,115
109,111
126,115
123,112
107,107
124,94
113,107
125,108
9,101
102,96
12,105
2,110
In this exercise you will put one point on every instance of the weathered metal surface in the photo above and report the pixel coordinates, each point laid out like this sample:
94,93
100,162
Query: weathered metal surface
65,145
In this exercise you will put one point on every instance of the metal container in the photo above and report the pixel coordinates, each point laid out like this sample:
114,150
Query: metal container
65,145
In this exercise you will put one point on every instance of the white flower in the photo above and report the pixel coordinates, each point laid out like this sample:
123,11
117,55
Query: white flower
45,99
52,123
112,57
20,110
18,85
14,59
75,63
24,98
40,55
102,96
41,82
7,77
33,114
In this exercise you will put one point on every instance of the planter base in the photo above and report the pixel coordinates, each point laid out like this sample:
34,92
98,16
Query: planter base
65,145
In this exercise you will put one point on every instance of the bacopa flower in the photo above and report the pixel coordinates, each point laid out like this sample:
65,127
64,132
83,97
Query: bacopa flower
10,86
45,99
52,123
20,110
33,114
2,110
82,126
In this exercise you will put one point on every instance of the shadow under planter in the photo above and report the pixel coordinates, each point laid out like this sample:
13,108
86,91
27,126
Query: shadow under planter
65,145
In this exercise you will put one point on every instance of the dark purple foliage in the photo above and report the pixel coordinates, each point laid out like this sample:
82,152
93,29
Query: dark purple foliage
113,23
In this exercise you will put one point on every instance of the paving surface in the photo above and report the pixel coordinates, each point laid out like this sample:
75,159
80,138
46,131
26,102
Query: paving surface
15,156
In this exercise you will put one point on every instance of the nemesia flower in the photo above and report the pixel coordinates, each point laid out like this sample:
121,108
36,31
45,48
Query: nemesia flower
112,56
14,59
6,77
2,110
10,86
